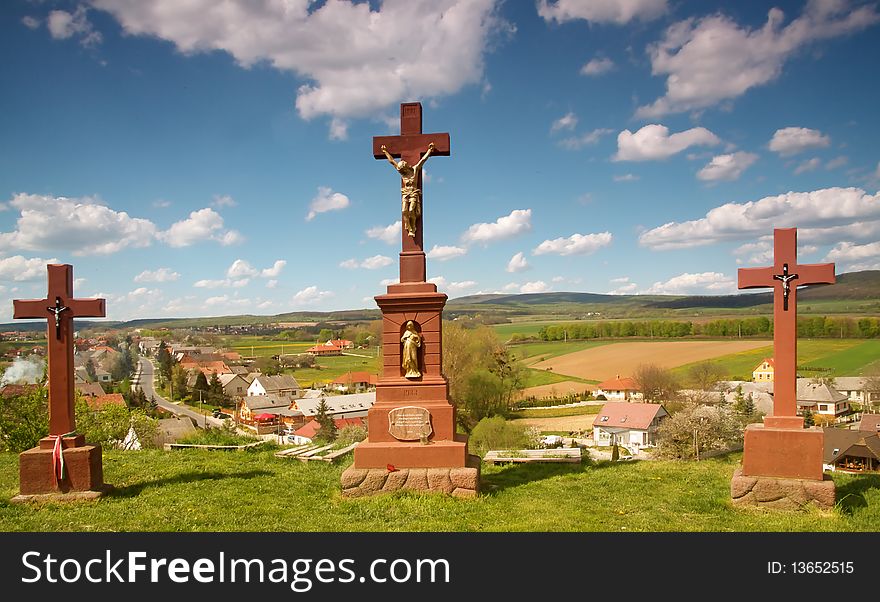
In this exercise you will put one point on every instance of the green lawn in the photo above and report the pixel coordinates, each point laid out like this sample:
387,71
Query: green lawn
845,357
198,490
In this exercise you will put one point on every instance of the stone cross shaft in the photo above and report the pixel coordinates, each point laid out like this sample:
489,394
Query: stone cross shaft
59,308
784,277
410,145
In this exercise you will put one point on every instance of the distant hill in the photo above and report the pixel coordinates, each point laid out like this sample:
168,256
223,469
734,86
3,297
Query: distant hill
858,287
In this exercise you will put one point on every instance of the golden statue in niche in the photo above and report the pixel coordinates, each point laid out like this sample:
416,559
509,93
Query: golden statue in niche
411,194
411,340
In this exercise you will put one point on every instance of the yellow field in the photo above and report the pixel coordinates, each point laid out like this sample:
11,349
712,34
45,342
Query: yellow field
622,359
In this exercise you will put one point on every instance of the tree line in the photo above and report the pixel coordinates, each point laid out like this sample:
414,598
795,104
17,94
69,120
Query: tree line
808,327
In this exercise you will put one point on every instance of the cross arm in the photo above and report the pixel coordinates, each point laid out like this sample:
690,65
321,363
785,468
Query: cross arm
816,273
397,145
30,308
755,277
88,308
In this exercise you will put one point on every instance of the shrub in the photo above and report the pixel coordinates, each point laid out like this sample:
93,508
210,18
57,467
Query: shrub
498,433
350,434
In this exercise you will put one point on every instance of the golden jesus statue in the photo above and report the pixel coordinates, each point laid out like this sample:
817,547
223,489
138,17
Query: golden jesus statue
411,340
411,195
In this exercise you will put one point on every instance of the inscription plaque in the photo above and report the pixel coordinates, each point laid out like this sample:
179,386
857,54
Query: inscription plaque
409,423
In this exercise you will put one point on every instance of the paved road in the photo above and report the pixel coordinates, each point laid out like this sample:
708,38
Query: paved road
145,382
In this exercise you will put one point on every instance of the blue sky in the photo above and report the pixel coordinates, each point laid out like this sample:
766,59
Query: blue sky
196,158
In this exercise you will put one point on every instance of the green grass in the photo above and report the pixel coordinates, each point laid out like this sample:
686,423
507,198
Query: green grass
535,378
556,412
196,490
845,357
331,367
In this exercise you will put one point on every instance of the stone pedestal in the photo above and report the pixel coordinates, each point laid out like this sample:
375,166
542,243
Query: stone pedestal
83,472
412,424
780,493
782,467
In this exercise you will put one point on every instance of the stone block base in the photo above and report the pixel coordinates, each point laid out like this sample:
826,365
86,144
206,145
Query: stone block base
401,454
457,481
83,467
788,453
781,493
70,496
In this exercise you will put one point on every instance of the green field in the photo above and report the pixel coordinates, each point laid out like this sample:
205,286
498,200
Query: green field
530,353
254,346
330,367
200,490
842,357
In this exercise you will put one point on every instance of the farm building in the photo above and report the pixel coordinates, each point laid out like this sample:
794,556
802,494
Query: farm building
355,380
633,425
619,389
327,348
763,372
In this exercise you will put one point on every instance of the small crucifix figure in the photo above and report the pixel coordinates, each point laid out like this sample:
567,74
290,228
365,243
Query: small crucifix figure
780,277
59,308
413,148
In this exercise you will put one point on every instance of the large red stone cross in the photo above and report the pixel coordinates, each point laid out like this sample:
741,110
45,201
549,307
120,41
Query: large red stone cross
59,308
410,145
784,277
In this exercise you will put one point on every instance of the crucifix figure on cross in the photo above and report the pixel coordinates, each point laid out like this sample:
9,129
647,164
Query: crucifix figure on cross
413,148
780,277
58,309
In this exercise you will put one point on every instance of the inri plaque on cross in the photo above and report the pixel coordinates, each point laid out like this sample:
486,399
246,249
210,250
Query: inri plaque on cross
59,308
784,277
412,147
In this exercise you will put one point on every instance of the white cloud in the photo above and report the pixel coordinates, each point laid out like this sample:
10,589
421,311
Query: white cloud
727,167
445,253
310,296
225,283
654,142
837,162
517,263
20,269
597,66
808,165
508,226
853,257
357,60
275,270
241,269
601,11
82,226
388,234
30,22
566,122
326,200
161,204
578,142
626,287
820,215
457,287
223,201
63,25
576,244
370,263
160,275
790,141
713,283
539,286
389,281
625,178
272,284
712,59
202,225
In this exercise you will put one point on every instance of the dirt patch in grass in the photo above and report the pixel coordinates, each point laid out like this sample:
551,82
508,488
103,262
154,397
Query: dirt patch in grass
583,422
608,361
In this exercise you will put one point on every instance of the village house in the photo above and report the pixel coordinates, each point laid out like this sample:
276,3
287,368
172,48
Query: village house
355,405
103,401
820,398
851,451
282,385
619,389
328,348
763,372
633,425
342,343
870,423
854,387
234,385
90,389
355,381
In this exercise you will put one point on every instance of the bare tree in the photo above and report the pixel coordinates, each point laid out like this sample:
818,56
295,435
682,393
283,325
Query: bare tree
705,375
656,383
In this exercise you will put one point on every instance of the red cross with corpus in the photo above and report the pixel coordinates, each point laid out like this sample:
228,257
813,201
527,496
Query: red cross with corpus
785,276
410,145
59,308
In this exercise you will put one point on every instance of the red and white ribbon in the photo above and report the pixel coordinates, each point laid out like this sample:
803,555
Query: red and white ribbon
58,456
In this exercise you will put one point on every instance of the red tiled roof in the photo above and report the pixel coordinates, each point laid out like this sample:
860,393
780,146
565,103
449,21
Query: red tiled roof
102,401
14,390
357,377
621,414
324,347
769,360
870,422
619,384
311,428
93,389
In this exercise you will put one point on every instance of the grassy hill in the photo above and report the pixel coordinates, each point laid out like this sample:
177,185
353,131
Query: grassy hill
198,490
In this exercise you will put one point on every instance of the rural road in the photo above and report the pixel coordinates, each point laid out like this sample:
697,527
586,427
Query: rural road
144,380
